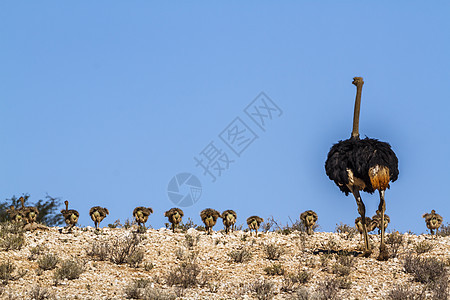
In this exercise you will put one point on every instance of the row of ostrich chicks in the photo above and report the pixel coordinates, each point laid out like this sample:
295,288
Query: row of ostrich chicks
209,216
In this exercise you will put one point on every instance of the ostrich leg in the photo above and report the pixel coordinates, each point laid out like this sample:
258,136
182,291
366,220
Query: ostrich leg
362,212
384,255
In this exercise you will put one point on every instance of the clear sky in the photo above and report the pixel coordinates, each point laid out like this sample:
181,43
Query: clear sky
104,102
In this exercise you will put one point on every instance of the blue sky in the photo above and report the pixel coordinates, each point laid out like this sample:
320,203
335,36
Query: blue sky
103,102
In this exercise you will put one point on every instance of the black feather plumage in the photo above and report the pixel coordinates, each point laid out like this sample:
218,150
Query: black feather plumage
359,156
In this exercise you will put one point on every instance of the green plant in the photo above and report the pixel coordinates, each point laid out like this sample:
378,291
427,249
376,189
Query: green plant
48,262
69,269
240,256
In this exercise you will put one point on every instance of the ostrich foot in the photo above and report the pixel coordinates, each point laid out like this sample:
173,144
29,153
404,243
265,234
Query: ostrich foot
384,254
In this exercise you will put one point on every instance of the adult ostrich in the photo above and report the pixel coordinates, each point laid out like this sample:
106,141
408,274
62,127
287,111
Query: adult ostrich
175,216
70,216
229,219
433,220
363,165
97,214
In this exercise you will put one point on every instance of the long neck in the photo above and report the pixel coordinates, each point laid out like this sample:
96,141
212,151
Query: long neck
67,205
358,81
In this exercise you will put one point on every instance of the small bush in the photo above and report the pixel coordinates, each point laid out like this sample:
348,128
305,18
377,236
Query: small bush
191,241
274,269
6,272
135,289
41,293
273,252
394,241
263,289
119,250
328,289
48,262
69,269
240,256
11,236
293,279
99,250
186,275
135,258
425,270
346,230
403,292
423,247
36,251
344,282
444,230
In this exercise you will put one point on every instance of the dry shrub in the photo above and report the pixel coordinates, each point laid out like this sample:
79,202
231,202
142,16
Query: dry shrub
403,292
347,231
36,251
119,250
240,255
425,270
274,269
185,275
70,269
6,272
11,236
273,252
328,289
41,293
423,247
444,230
48,262
263,289
394,241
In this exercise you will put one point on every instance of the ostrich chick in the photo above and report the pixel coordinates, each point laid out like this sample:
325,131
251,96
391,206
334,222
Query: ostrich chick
70,216
29,213
309,219
376,222
229,219
433,221
15,215
253,223
359,226
175,216
141,214
209,217
97,214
